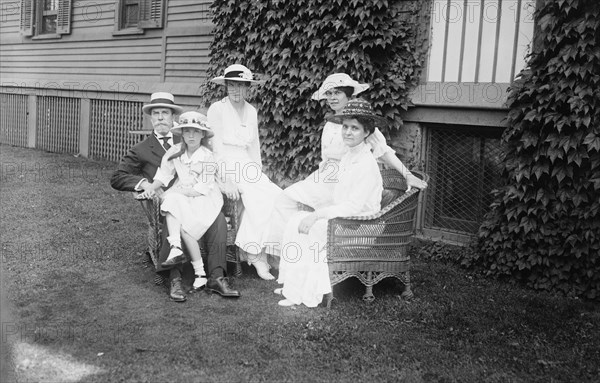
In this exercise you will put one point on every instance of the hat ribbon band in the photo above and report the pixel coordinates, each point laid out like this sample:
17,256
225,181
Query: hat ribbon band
162,101
234,74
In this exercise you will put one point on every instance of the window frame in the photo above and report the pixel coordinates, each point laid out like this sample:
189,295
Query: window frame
44,13
150,16
32,17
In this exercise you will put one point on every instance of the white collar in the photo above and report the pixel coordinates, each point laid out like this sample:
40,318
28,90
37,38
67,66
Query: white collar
357,149
170,135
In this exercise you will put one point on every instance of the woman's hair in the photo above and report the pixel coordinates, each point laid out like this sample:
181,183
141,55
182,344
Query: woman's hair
367,122
348,90
180,152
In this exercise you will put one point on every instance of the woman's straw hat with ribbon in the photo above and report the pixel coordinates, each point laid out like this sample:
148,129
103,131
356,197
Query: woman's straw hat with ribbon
358,107
236,72
338,80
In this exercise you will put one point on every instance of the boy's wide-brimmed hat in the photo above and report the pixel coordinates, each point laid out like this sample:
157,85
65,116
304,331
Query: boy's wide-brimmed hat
162,100
236,72
337,80
193,120
358,107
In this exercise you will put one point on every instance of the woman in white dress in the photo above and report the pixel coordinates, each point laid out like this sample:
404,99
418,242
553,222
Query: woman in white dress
337,89
237,149
357,191
194,201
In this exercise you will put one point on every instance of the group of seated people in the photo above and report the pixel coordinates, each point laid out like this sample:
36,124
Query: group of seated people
190,164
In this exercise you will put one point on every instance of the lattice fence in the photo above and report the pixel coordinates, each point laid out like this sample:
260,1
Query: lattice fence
13,119
58,124
110,123
464,166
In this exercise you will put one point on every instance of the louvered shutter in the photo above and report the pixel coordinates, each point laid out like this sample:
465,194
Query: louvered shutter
151,13
63,17
27,14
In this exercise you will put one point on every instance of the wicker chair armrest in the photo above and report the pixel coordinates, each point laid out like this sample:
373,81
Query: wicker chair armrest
232,209
151,207
380,215
346,235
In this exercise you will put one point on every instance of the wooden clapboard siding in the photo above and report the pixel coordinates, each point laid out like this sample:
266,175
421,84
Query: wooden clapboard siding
176,55
10,17
187,57
116,59
188,41
97,16
186,13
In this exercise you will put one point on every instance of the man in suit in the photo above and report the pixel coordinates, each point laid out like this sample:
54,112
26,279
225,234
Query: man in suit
136,172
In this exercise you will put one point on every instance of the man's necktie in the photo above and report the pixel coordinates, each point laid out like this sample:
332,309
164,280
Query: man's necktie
165,142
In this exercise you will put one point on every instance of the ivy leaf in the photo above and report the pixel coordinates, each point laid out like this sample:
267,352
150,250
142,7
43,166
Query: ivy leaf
539,168
529,139
592,141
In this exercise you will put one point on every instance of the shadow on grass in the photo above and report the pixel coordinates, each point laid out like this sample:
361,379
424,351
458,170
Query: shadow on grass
72,251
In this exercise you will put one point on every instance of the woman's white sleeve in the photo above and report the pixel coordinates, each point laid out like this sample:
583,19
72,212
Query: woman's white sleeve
379,144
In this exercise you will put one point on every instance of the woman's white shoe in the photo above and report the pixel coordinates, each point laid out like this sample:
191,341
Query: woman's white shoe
262,269
278,291
286,303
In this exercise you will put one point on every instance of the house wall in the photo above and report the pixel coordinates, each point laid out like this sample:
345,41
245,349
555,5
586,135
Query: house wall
93,59
475,48
89,85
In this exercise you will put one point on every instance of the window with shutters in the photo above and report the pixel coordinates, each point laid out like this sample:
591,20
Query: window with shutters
134,16
45,18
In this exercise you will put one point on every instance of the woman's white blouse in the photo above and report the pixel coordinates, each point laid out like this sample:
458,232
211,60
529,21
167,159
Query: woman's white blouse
231,129
332,144
359,185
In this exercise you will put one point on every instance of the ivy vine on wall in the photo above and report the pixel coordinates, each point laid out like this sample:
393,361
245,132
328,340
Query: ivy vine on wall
295,45
544,226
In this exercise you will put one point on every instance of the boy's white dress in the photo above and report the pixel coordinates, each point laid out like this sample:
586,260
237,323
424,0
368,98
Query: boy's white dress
196,214
303,265
237,150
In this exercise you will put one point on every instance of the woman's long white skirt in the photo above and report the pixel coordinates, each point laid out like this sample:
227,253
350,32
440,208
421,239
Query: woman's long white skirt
303,266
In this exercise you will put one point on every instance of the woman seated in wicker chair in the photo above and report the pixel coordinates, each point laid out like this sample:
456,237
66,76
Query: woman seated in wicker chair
337,89
303,265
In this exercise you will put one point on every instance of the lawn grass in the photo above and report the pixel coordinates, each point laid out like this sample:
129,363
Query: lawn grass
72,251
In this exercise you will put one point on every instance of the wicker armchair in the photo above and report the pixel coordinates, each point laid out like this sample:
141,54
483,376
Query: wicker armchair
231,210
375,247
